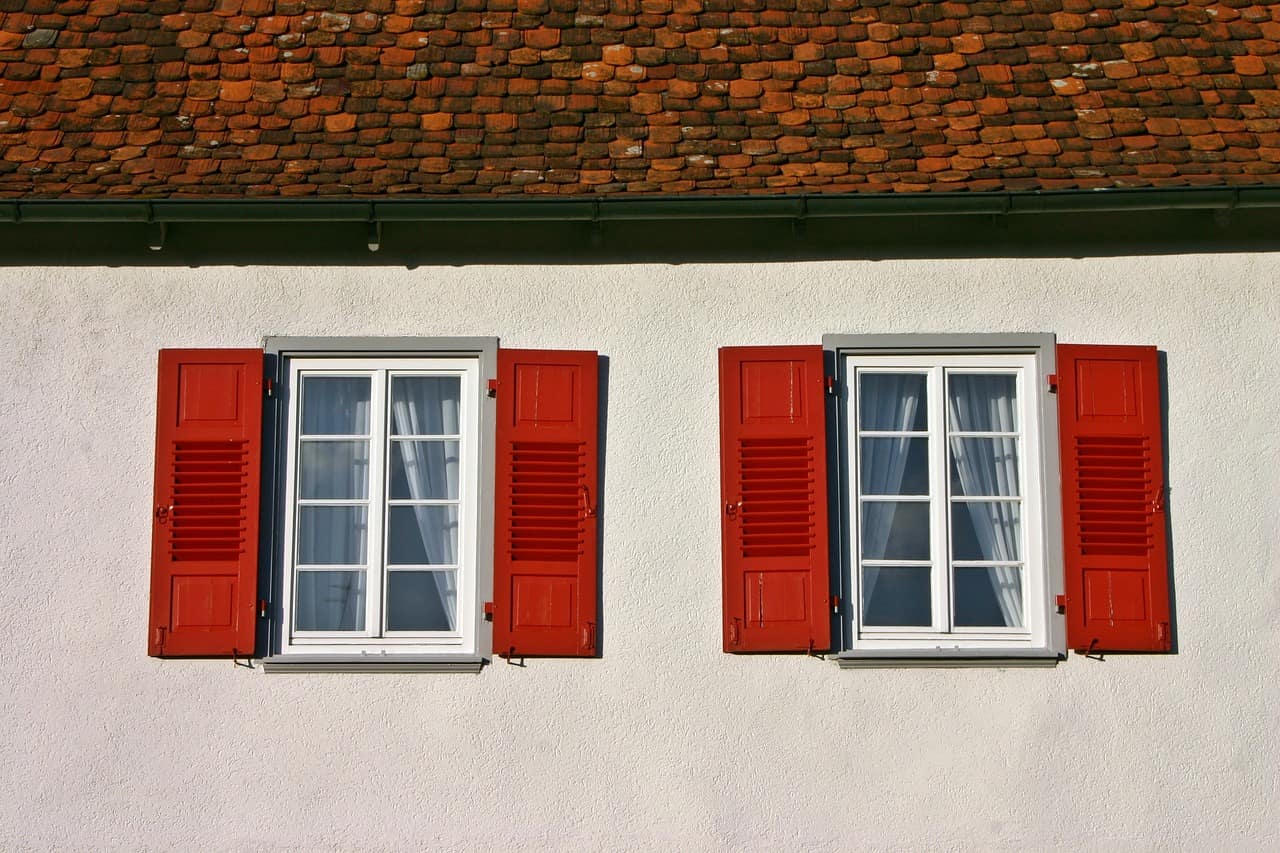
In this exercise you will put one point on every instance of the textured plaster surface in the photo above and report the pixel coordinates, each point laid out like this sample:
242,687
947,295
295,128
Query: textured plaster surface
664,743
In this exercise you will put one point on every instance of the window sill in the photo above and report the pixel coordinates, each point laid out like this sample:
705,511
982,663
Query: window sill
948,658
372,663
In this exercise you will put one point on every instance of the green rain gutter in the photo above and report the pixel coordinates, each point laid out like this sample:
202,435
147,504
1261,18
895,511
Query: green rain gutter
613,208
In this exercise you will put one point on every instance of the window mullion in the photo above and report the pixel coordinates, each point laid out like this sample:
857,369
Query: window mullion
939,498
375,583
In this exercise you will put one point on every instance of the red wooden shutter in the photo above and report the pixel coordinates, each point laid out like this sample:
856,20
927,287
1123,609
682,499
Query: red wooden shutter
204,543
773,458
546,530
1117,575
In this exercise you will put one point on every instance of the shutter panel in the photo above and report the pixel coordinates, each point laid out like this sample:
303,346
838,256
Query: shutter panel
204,544
1117,574
546,529
773,462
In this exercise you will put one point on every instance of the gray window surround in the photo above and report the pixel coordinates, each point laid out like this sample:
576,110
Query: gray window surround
278,351
1043,346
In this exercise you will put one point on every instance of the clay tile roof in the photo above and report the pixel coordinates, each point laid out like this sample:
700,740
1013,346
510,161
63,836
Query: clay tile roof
298,98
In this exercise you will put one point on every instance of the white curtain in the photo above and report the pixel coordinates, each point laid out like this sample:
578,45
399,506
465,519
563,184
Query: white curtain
332,405
886,402
423,405
989,467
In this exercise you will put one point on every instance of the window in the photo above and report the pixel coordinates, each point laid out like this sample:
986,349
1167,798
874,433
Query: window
945,541
910,496
332,503
380,532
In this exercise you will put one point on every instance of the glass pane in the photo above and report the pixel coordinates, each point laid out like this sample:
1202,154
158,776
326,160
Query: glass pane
422,601
895,530
988,597
332,535
986,530
330,601
422,535
423,470
895,466
896,596
984,466
981,402
333,469
335,405
893,401
425,405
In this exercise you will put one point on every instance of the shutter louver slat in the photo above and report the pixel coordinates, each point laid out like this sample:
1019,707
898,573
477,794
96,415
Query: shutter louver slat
774,496
545,564
204,569
1117,582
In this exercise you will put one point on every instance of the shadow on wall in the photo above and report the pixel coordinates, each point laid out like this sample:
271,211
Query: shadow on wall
411,244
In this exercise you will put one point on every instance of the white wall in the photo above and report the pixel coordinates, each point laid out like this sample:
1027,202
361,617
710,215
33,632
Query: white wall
665,742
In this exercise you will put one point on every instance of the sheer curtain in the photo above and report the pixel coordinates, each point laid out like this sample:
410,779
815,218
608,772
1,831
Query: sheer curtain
886,402
429,406
989,467
335,470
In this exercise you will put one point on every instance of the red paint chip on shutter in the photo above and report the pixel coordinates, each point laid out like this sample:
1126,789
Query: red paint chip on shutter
546,533
1117,574
204,552
773,457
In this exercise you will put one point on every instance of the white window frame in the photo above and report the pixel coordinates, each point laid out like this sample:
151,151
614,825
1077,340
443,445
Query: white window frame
1031,359
460,650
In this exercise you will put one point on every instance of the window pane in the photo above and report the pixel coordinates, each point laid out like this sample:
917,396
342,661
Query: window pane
425,405
333,469
895,530
422,601
986,530
989,597
422,470
422,535
984,466
895,466
335,405
980,402
330,601
893,401
896,596
332,535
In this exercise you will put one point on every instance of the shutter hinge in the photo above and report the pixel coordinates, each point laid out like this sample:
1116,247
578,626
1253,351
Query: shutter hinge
589,637
1052,379
1162,634
1061,602
157,640
735,632
269,386
492,388
831,385
488,611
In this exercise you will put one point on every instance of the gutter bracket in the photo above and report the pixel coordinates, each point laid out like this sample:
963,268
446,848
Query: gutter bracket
373,234
1222,215
597,227
157,231
800,225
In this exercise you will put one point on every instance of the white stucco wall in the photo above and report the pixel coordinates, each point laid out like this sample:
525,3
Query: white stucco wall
663,743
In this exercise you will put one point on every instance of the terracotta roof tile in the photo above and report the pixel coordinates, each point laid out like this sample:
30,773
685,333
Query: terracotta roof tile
562,97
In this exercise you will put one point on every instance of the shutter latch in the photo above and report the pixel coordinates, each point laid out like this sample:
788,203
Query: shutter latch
588,508
488,611
269,386
262,608
1061,602
1157,503
163,512
492,388
831,385
731,510
1052,379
